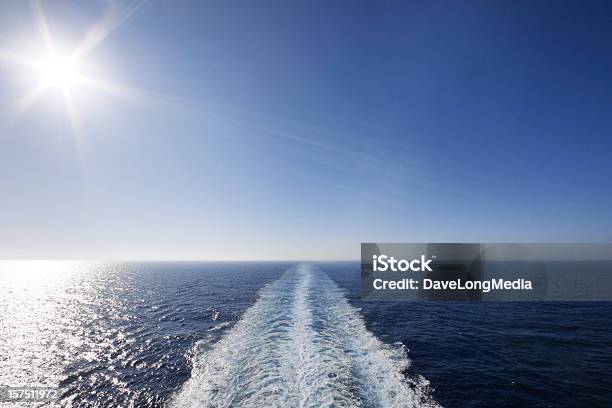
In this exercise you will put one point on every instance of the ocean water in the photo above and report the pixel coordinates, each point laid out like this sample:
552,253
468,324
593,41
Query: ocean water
188,334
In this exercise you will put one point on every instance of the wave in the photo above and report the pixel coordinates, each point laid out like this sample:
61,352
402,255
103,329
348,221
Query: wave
302,345
220,326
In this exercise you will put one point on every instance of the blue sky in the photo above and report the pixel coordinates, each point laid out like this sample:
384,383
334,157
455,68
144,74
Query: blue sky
297,130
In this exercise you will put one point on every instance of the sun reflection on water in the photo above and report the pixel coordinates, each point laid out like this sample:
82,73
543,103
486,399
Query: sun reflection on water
40,267
39,319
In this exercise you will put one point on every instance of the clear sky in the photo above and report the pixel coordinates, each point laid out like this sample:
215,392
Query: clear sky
297,130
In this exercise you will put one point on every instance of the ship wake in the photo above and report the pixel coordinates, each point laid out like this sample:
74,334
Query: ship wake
302,345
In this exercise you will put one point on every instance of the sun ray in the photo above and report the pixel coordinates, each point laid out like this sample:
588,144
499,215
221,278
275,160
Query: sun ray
112,19
22,105
41,23
25,102
14,58
73,116
110,87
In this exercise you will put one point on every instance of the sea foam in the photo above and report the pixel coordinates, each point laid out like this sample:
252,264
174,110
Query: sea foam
302,345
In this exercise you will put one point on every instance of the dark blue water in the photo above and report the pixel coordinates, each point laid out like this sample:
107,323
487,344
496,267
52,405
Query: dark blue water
503,354
121,335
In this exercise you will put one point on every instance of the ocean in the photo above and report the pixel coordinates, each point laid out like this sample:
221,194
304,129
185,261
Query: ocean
280,334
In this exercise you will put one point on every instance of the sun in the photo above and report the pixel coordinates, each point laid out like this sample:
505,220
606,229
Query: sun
60,72
66,69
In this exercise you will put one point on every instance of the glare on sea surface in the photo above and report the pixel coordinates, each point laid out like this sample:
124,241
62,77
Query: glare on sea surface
40,307
39,267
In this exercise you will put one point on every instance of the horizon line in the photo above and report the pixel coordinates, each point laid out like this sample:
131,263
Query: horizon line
173,260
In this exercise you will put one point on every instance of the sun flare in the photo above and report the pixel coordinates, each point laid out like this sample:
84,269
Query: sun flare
65,71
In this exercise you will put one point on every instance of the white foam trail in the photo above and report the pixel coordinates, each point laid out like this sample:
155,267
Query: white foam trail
219,326
302,345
